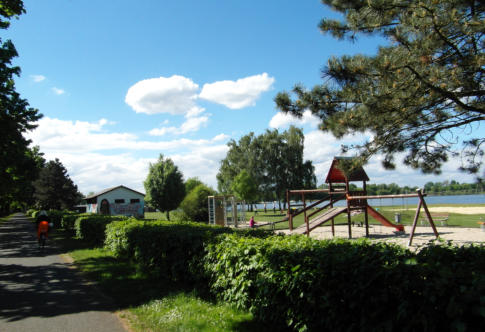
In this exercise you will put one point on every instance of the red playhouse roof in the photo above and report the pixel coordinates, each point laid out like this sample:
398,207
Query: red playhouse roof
335,175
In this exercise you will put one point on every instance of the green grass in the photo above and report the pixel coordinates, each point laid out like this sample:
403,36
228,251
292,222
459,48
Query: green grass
407,217
186,312
153,304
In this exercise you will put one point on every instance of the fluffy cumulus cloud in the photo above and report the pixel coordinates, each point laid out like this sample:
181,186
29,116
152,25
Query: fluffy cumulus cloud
322,147
173,95
192,124
97,158
237,94
284,120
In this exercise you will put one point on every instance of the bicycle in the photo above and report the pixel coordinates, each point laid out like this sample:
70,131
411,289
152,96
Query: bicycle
42,239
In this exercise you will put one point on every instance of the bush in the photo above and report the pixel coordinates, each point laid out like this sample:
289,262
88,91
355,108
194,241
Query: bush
195,205
167,249
313,285
91,228
55,217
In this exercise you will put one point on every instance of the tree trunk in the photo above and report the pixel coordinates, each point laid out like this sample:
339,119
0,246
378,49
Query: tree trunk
168,215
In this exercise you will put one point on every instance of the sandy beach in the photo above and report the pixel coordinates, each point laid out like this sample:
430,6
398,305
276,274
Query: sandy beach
423,234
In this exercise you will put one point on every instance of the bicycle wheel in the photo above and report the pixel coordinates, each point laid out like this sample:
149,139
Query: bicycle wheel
42,240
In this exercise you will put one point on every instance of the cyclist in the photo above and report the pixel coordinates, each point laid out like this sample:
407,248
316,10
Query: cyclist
42,225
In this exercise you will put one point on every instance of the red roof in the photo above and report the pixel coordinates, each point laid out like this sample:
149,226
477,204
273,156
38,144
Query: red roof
336,175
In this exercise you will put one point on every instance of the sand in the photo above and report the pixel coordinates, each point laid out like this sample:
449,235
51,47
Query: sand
423,234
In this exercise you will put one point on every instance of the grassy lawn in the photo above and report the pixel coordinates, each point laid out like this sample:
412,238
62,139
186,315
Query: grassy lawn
407,217
152,304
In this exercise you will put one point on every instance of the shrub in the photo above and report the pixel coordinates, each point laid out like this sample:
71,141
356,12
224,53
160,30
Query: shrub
91,228
195,205
167,249
313,285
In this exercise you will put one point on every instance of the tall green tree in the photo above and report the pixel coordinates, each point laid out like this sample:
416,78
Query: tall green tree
273,160
419,94
54,189
245,187
16,117
164,185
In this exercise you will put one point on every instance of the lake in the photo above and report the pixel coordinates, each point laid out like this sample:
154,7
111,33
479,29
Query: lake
452,199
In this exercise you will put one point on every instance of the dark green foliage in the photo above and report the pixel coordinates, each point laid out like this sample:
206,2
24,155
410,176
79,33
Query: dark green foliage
18,166
273,160
164,185
91,227
349,286
54,188
170,250
421,93
195,205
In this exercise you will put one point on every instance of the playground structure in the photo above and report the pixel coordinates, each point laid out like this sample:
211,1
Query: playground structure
338,182
226,211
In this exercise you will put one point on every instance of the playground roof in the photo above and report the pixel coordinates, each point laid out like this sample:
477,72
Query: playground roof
335,174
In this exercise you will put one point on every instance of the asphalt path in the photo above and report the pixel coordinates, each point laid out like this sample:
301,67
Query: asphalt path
41,291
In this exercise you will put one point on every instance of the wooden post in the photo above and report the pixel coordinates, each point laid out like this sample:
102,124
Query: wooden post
366,216
331,206
349,220
304,215
290,217
415,222
428,215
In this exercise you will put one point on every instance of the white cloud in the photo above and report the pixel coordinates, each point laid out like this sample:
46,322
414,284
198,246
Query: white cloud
97,158
284,120
322,147
37,78
237,94
192,124
58,91
173,95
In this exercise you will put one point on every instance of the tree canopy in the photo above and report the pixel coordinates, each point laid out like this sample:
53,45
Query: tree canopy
273,160
195,205
423,92
54,189
164,185
16,117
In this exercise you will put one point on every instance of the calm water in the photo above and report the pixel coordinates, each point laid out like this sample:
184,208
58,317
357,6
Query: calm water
455,199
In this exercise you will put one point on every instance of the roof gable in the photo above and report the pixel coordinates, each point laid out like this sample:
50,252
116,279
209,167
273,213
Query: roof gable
336,175
111,189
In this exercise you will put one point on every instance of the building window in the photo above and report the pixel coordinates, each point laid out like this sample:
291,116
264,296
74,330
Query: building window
135,200
119,201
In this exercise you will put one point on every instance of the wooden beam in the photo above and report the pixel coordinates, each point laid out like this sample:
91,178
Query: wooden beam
385,196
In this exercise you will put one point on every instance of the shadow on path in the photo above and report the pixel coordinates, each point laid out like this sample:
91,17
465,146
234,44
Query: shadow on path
39,283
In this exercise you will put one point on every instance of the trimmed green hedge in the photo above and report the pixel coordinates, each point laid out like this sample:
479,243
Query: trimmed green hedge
91,227
167,249
343,285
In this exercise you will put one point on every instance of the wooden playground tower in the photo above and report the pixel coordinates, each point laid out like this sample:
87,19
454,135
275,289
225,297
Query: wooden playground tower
356,201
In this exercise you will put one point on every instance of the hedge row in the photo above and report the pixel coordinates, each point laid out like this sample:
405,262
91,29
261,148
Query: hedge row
306,284
92,227
313,285
167,249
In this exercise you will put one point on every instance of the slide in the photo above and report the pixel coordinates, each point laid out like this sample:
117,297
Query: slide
323,218
383,220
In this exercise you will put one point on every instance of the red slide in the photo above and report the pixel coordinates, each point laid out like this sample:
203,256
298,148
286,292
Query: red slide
383,220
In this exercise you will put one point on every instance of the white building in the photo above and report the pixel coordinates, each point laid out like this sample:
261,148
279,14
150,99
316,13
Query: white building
118,200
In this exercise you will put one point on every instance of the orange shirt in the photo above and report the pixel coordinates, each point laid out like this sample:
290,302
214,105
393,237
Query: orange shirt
43,227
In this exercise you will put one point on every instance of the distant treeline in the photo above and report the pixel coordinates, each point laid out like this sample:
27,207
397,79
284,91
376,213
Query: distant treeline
440,188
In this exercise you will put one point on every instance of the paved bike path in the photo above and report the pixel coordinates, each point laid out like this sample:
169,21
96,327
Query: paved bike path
39,291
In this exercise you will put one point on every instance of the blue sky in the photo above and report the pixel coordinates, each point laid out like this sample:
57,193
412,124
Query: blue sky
120,82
